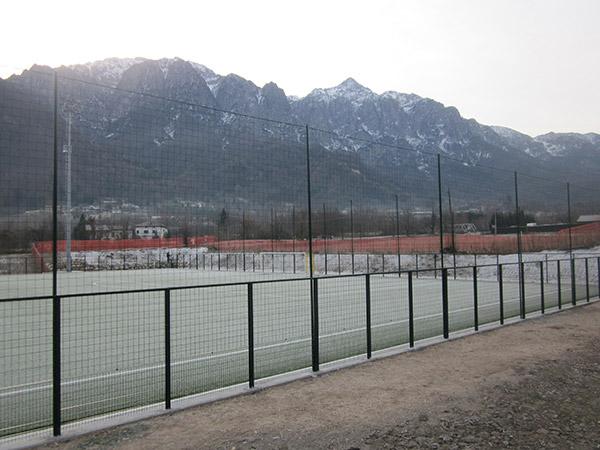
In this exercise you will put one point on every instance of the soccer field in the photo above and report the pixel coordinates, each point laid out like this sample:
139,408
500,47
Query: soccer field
113,345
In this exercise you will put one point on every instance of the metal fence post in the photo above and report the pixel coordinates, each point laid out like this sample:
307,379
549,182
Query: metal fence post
411,322
56,366
167,348
315,324
573,286
244,240
501,294
250,336
522,289
445,302
294,236
417,264
559,284
598,274
56,372
368,312
542,300
475,300
352,233
314,289
519,249
587,280
569,219
325,236
398,237
440,209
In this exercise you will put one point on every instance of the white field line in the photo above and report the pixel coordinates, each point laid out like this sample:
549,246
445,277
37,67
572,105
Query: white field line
48,384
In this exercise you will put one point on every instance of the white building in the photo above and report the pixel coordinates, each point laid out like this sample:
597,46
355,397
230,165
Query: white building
589,218
150,231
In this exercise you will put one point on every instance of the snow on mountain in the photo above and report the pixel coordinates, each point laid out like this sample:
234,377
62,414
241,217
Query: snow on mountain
561,144
349,89
411,127
106,71
212,79
406,101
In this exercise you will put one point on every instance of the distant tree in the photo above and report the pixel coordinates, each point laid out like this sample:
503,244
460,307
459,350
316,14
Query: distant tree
79,232
223,218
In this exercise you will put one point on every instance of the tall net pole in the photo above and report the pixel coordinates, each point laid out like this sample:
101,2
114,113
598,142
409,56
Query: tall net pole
67,150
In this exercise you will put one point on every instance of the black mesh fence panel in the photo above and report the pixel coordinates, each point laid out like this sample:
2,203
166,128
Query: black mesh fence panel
189,234
112,349
26,365
282,327
209,339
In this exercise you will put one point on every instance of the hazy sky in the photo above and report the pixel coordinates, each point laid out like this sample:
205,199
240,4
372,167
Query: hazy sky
532,65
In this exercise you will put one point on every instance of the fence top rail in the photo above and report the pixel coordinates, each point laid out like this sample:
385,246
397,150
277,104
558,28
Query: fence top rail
278,280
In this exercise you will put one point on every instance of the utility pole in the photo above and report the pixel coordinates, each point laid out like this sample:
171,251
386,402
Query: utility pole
67,150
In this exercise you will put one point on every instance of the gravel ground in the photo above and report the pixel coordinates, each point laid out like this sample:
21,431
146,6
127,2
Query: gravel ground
535,384
555,405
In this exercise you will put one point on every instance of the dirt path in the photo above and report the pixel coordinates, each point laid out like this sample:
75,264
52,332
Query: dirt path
530,385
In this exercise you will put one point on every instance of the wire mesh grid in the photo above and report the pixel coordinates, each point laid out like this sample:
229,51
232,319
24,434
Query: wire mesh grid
209,339
169,196
428,319
162,190
25,179
282,327
389,311
460,305
26,369
112,353
342,318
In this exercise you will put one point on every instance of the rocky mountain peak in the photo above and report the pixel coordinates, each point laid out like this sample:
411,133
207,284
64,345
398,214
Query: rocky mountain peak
348,109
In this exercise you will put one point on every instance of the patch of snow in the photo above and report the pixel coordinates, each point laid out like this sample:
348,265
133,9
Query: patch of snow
349,89
227,118
406,101
211,78
506,132
553,149
413,141
107,71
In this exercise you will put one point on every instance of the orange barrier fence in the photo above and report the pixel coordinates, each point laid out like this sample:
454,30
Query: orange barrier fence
122,244
465,243
583,236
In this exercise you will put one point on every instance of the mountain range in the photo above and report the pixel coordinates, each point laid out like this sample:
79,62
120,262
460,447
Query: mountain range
180,141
